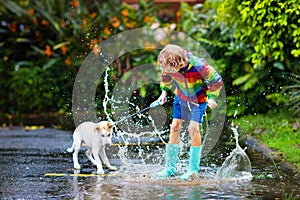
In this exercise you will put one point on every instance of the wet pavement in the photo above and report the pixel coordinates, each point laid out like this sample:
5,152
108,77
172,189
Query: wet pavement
26,156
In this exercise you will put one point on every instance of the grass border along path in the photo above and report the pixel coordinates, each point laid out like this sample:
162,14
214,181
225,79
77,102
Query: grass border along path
278,131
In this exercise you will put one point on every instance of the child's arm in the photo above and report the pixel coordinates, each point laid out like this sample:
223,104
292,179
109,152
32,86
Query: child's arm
161,99
166,82
213,81
211,103
165,85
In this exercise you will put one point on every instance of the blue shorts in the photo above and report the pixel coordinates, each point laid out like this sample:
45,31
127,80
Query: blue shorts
188,111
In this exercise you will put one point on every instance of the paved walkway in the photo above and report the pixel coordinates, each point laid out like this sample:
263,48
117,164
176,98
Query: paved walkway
25,156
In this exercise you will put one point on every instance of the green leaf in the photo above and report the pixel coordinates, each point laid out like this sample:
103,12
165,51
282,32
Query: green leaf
15,8
241,80
59,45
276,98
295,52
250,83
49,6
22,63
55,24
37,49
143,91
50,63
279,65
23,40
198,6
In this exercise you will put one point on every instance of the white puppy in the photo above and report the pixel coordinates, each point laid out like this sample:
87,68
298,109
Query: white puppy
95,136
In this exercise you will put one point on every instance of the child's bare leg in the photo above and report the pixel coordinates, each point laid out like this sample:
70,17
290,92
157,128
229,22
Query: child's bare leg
194,132
175,131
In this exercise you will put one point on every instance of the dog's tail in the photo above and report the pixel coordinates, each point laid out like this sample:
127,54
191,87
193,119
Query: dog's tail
75,135
71,149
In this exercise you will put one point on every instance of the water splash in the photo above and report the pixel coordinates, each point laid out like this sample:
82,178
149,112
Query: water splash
107,99
132,150
237,164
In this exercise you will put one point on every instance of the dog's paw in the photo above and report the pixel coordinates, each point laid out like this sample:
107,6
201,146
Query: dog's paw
100,172
77,166
70,150
112,168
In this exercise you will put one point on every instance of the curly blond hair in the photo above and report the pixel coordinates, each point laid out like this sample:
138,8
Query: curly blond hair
172,56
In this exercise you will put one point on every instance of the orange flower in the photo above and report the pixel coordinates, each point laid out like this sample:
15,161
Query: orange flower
93,43
84,23
96,50
115,22
30,12
93,15
64,50
35,21
124,13
68,61
45,22
130,24
75,3
148,19
63,23
13,27
178,15
149,46
48,51
125,19
107,31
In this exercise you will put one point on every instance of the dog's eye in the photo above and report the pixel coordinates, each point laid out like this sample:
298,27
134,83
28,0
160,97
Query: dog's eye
102,135
108,135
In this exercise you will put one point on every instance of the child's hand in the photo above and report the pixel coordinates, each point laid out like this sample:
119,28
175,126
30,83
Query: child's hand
212,103
156,103
160,101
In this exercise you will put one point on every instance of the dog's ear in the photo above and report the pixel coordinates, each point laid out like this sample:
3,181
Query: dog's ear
98,128
110,125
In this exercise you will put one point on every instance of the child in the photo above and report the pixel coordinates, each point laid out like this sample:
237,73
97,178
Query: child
196,85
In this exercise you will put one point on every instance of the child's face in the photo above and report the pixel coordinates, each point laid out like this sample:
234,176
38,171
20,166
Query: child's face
172,69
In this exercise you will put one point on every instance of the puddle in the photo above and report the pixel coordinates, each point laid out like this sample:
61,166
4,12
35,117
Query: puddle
26,160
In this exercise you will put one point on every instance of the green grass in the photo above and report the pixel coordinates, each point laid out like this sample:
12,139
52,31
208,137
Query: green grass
279,131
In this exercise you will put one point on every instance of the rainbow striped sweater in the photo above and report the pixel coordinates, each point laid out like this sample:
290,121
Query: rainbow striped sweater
196,82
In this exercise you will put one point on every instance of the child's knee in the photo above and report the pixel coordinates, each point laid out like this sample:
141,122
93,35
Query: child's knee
193,130
175,127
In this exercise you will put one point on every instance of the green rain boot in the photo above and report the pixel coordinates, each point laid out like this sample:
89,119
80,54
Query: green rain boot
194,162
171,161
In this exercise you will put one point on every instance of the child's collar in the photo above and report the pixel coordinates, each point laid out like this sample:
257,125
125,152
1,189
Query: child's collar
191,61
190,64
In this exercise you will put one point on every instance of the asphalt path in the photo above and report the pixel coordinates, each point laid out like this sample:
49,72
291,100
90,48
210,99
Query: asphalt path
25,158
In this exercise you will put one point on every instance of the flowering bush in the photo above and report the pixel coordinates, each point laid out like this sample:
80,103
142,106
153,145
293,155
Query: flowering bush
46,41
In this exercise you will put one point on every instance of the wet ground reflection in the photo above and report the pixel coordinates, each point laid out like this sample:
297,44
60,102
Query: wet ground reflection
26,156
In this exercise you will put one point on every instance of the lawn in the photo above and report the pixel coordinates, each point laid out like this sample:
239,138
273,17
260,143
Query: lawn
279,131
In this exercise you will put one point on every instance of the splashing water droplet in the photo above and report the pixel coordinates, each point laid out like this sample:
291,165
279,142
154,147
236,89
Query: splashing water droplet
235,113
237,164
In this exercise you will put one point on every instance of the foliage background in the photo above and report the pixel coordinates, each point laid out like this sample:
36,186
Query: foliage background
43,43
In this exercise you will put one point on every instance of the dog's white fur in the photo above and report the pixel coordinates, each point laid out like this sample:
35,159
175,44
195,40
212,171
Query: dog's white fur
95,136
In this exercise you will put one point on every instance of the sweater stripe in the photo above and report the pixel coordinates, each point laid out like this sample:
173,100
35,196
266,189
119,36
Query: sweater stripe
196,83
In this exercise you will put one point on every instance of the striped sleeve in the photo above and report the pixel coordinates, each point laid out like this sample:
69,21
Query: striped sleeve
166,82
213,81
